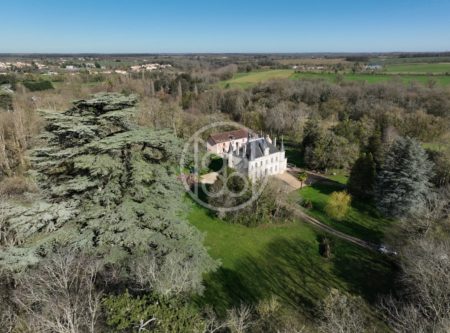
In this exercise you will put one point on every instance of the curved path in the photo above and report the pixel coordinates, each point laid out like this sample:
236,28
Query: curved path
316,223
301,214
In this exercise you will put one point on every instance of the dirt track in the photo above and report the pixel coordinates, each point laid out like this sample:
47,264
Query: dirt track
316,223
301,214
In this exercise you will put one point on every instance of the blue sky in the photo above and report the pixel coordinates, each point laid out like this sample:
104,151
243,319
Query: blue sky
224,26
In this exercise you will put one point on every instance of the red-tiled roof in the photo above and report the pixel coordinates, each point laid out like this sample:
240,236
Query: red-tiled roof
227,136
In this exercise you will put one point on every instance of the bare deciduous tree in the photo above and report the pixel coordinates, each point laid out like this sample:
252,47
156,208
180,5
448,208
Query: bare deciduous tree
8,315
425,304
240,319
60,294
173,275
342,314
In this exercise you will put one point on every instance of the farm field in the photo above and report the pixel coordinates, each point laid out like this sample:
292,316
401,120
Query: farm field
284,261
409,60
246,80
424,68
375,78
312,61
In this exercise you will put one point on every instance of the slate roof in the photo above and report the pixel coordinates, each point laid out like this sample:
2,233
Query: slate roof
258,146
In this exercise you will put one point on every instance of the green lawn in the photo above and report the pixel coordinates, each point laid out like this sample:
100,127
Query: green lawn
436,68
363,220
284,261
338,175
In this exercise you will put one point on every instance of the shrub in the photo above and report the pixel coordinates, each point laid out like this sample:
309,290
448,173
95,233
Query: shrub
338,205
128,313
325,247
6,101
308,204
16,185
38,85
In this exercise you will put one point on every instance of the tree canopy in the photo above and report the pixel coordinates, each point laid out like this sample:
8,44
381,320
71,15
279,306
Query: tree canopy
106,186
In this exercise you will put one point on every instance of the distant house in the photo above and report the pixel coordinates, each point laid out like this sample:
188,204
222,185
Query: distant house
374,67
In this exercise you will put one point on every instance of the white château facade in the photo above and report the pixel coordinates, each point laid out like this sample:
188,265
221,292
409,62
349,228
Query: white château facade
252,155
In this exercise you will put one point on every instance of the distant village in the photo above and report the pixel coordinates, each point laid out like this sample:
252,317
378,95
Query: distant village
90,65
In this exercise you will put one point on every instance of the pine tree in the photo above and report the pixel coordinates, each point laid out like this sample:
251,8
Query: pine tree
404,179
312,138
312,133
376,149
362,177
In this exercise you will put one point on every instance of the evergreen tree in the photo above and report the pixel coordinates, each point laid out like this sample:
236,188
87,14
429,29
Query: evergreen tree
404,179
376,149
115,194
362,177
312,133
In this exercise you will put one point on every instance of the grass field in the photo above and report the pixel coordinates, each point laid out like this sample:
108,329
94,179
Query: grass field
410,60
246,80
363,220
424,68
284,261
376,78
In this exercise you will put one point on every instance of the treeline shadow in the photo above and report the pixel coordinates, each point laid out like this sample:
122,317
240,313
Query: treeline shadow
293,271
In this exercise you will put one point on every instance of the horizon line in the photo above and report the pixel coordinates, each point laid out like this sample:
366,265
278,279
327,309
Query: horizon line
224,53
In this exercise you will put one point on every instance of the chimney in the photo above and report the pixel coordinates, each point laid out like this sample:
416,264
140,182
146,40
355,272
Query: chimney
252,151
275,142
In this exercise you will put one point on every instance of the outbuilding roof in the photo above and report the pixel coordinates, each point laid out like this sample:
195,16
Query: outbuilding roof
228,136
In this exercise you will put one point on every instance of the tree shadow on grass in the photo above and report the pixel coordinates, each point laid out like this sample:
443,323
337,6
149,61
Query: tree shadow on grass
294,272
366,273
